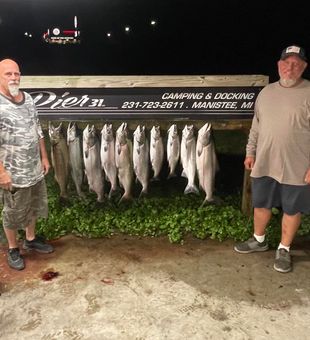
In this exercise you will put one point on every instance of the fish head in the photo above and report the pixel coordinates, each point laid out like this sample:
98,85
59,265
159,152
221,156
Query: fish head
188,132
89,135
55,133
121,133
139,134
107,132
155,132
205,134
173,131
71,132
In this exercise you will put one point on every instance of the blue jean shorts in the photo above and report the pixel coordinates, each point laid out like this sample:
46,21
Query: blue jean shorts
292,199
21,205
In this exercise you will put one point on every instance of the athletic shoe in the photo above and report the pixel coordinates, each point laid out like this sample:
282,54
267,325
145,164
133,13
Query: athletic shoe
15,260
38,245
251,246
283,261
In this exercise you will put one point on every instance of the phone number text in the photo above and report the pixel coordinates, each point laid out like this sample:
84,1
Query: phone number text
152,105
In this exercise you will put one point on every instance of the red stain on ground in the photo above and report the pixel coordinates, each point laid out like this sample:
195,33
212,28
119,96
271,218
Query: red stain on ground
35,263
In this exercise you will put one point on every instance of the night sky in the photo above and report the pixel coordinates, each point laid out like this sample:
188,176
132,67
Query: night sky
191,37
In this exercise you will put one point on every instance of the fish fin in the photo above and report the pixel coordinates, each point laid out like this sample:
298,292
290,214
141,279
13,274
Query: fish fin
183,174
199,150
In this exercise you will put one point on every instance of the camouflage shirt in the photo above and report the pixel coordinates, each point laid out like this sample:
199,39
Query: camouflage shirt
20,132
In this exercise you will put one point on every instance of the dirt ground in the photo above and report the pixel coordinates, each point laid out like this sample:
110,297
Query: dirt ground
146,288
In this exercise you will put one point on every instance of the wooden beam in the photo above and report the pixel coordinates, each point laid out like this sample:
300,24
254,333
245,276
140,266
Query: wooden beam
142,81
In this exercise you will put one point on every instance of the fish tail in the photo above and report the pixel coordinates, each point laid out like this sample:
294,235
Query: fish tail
171,175
203,203
113,191
125,197
143,192
191,189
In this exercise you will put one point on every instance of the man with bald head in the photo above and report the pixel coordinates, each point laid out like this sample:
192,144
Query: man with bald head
278,155
23,165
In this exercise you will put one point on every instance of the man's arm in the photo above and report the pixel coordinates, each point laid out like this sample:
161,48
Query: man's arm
251,145
5,178
44,157
307,177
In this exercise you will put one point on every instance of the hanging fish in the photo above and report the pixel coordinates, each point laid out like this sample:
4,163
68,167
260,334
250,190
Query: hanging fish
173,149
141,157
123,161
60,158
188,158
156,151
107,155
91,157
206,161
74,142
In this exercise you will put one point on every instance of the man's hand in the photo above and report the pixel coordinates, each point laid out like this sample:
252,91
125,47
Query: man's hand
249,162
45,165
5,180
307,177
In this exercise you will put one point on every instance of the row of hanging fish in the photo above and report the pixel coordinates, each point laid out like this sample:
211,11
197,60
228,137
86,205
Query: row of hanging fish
120,159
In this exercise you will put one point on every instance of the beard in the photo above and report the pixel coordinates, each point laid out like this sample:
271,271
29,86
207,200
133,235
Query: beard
287,82
13,89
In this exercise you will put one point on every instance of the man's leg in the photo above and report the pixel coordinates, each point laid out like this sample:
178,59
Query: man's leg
257,242
34,243
261,219
11,236
30,229
290,225
15,260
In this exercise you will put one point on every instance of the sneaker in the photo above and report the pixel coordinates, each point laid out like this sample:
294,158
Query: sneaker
283,261
38,245
15,260
251,246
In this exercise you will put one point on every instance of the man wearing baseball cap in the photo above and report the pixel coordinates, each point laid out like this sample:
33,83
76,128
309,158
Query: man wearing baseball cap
278,155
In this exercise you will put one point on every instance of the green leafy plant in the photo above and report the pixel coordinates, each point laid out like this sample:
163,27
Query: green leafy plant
174,216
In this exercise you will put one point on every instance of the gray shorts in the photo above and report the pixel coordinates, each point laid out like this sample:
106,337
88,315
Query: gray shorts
292,199
22,204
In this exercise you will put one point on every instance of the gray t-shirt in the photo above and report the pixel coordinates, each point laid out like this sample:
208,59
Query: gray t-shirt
20,131
279,138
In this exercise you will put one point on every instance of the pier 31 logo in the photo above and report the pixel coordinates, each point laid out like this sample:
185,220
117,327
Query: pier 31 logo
54,101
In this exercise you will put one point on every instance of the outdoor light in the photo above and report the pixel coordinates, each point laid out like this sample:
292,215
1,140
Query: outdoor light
56,31
127,29
109,35
153,22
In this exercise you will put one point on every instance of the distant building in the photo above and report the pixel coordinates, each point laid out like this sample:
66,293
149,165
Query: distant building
59,36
